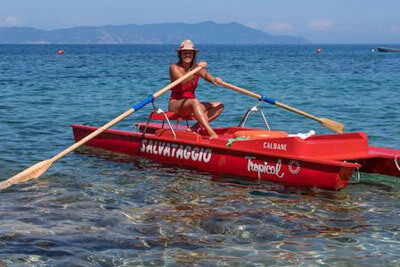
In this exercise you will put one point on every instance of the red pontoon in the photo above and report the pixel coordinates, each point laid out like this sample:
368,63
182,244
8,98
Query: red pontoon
304,160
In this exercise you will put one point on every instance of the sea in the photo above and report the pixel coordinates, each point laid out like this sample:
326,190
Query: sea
100,209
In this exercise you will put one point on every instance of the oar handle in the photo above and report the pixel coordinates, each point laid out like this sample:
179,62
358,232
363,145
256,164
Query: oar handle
93,134
249,93
295,110
268,100
241,90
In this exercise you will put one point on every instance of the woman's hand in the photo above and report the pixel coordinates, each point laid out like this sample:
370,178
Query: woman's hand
217,81
203,64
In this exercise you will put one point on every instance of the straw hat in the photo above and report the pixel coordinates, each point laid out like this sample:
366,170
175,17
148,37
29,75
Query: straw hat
187,45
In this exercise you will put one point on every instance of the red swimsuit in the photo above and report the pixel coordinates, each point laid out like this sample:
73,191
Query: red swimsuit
185,90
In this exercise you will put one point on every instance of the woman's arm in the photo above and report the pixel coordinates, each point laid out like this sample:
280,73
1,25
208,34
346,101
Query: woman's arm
207,76
174,72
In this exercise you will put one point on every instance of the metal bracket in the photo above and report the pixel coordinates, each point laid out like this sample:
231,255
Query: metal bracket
255,109
158,111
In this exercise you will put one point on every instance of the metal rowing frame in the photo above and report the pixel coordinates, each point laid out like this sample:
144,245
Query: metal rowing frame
158,111
255,109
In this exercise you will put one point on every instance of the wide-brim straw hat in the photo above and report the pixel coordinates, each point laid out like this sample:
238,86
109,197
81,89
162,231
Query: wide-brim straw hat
187,45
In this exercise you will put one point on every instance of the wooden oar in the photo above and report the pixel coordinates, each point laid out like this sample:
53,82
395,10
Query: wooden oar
35,171
330,124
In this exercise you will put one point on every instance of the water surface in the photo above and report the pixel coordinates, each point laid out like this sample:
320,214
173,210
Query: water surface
97,209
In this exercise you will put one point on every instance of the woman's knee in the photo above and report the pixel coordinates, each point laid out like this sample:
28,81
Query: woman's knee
218,105
196,103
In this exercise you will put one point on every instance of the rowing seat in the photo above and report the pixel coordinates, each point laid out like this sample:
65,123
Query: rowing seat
172,116
163,116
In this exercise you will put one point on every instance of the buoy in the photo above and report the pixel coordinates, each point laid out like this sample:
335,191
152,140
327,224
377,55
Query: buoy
319,50
60,52
260,134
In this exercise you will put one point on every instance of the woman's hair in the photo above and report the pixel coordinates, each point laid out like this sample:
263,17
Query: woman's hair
194,60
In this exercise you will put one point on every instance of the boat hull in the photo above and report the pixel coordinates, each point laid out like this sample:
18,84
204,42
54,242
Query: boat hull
388,49
188,151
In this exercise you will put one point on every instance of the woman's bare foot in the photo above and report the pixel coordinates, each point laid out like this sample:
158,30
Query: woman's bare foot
213,136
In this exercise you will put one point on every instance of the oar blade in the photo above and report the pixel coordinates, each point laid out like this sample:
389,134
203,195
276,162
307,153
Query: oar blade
33,172
333,125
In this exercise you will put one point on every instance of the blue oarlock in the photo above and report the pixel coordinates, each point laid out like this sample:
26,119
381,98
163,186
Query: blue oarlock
143,103
268,100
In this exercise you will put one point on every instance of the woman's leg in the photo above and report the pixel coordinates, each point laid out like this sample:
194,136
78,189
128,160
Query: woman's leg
213,110
185,107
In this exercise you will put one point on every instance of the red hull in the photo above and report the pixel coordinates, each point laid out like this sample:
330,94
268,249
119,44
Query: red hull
284,160
381,160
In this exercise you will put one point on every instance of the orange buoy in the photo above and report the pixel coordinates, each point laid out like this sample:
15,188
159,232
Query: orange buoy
263,134
319,50
60,52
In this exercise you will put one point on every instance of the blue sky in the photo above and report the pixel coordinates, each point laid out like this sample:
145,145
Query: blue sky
320,21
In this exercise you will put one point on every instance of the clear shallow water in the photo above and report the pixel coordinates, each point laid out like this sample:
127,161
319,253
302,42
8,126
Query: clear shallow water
112,210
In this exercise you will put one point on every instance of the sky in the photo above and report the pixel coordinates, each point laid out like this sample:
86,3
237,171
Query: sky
319,21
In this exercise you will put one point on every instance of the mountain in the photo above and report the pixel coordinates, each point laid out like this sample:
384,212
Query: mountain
165,33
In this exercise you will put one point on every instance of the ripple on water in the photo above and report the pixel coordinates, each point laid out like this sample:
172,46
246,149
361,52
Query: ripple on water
95,208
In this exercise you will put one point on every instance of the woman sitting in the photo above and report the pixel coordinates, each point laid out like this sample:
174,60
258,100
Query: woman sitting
183,100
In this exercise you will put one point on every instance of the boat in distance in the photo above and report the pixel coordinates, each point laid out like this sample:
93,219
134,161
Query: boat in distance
388,49
252,154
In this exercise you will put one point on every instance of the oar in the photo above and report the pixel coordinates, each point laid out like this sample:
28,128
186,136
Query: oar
330,124
35,171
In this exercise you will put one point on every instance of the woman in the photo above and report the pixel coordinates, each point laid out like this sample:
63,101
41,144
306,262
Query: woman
183,100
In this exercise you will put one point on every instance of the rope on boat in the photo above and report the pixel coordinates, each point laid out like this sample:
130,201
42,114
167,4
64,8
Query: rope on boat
396,162
240,138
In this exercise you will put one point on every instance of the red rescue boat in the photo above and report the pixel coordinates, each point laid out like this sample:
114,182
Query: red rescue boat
302,160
